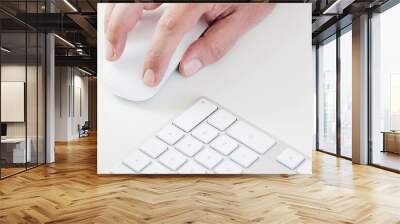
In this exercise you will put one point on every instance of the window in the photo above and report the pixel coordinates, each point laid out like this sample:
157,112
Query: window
327,97
385,89
346,93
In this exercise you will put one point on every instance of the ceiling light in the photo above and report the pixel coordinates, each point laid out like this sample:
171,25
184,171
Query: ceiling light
5,50
64,40
70,5
84,71
338,6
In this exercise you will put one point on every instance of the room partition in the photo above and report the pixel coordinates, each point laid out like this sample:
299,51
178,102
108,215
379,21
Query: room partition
23,87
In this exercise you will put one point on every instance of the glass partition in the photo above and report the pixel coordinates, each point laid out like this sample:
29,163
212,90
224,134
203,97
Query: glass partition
22,77
327,96
13,109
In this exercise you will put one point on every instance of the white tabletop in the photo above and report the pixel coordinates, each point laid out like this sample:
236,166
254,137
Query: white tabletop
266,78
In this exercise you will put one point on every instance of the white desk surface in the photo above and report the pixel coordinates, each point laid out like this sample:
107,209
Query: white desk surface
266,78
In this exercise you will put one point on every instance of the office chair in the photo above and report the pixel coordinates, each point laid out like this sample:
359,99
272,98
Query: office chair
84,130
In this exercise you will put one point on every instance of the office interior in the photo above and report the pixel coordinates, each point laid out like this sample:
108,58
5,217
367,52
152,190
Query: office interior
48,94
48,84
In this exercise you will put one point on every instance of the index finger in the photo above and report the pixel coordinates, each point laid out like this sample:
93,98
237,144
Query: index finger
176,21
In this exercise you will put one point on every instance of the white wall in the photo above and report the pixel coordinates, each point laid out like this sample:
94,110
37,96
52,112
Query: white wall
70,83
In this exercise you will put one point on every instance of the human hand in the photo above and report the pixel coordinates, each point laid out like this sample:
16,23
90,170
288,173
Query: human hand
227,23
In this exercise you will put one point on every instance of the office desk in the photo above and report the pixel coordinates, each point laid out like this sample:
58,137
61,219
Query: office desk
391,141
17,152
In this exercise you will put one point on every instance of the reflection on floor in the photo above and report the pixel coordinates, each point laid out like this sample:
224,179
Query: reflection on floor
386,159
70,191
10,169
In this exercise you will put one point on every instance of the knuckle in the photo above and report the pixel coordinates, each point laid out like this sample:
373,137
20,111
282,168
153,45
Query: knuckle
153,60
216,50
113,34
169,25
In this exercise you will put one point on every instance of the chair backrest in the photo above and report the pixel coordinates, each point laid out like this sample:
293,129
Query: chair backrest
86,124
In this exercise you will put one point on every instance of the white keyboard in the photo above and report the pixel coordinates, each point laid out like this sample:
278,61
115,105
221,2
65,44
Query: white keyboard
209,139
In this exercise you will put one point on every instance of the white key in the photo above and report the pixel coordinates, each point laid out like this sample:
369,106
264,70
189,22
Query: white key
170,134
250,136
153,147
244,156
228,167
136,161
156,168
221,119
205,132
172,159
290,158
121,168
208,158
192,167
224,144
195,114
189,145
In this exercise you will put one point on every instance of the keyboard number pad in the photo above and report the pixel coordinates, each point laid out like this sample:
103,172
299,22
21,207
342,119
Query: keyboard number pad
244,156
208,158
290,158
189,145
205,133
228,167
153,147
224,144
172,159
136,161
221,119
170,134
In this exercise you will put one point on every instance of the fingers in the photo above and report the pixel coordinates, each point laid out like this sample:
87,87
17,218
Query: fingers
177,20
109,9
219,39
122,19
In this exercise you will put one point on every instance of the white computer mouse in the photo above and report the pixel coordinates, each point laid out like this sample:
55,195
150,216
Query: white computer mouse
124,76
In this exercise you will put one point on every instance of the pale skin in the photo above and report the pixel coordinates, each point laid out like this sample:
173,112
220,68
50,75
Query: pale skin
227,23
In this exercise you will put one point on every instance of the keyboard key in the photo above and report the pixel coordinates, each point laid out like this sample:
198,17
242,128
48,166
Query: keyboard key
172,159
156,168
224,144
195,114
154,147
244,156
136,161
121,168
205,132
228,167
290,158
189,145
221,119
208,158
251,137
170,134
192,167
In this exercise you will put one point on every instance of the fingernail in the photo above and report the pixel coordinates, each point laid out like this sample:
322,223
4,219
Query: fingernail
192,67
110,51
149,77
